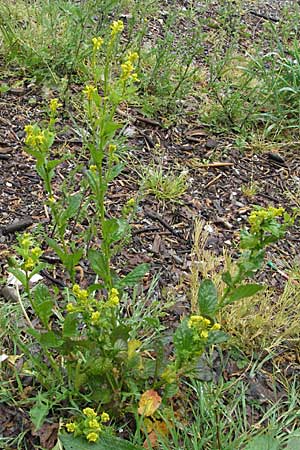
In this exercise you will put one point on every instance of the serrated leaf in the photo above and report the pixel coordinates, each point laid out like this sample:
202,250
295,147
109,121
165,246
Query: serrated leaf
42,303
70,325
265,442
48,339
132,278
246,290
39,411
207,298
104,443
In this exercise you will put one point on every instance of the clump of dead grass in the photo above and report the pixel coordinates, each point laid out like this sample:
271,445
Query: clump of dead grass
265,321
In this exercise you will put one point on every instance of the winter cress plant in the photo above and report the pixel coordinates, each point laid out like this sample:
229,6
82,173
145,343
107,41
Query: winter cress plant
89,350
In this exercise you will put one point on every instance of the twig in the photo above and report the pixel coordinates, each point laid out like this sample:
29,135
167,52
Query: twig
263,16
156,216
216,164
53,280
17,226
213,181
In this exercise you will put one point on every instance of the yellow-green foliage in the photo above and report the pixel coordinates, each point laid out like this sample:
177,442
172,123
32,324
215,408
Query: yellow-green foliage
265,321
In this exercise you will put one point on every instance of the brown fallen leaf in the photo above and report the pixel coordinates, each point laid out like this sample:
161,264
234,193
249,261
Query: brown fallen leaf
149,402
47,434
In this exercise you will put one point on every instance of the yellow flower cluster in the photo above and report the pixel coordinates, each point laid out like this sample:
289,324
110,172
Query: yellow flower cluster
202,326
128,207
128,73
259,216
30,255
90,427
34,136
112,148
116,27
97,43
81,294
95,316
113,299
54,105
89,90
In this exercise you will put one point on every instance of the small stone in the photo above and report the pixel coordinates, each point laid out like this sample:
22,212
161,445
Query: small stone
211,143
276,158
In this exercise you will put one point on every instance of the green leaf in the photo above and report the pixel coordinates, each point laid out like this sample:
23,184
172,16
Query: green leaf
104,443
227,278
183,340
70,325
48,339
114,230
114,172
51,340
294,440
74,202
207,298
217,337
98,264
246,290
134,276
39,411
58,250
42,303
266,442
19,274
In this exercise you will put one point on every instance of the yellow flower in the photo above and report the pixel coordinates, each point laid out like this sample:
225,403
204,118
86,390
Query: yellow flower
215,327
28,129
130,202
113,299
70,307
196,321
104,417
36,252
92,437
71,427
112,148
54,105
97,43
93,423
89,412
128,73
116,27
51,200
81,294
29,264
26,240
204,334
95,317
93,168
133,57
89,91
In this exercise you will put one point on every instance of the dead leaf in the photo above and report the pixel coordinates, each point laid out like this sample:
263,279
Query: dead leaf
149,402
152,438
47,434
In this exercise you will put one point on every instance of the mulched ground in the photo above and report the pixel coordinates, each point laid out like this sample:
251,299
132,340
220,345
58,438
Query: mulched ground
162,233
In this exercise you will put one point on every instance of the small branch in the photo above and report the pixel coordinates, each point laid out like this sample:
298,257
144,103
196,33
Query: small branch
263,16
18,225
